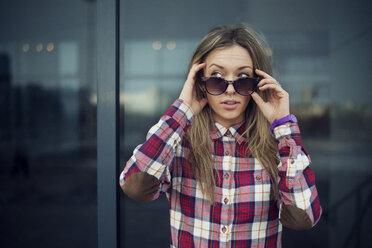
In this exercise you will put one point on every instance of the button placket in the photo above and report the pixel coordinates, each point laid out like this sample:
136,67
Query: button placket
225,197
227,191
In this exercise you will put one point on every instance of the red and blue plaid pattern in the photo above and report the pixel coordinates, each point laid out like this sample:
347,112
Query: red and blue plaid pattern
244,214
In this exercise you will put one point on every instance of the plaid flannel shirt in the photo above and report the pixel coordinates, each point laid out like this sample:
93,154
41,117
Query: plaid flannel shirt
244,215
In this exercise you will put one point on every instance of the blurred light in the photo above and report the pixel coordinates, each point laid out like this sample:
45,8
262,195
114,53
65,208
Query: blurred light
171,45
307,95
143,102
50,47
349,105
39,47
156,45
26,47
93,99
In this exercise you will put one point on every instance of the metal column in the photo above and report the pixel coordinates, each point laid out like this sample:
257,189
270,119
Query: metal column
108,123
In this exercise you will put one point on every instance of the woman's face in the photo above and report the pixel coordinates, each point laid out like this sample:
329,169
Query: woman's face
230,63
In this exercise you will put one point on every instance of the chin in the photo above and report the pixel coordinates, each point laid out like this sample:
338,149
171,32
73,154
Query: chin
232,118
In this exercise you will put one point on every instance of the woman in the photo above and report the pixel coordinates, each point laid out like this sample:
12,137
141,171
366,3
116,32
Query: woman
227,153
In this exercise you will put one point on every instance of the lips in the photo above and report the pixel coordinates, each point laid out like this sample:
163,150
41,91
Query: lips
230,104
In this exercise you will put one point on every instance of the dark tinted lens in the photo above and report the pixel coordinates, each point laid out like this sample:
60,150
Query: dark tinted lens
245,86
215,85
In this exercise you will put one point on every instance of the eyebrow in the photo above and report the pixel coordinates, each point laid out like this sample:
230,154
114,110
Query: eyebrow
240,68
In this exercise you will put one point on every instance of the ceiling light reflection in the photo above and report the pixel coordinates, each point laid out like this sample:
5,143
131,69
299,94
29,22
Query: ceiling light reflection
171,45
156,45
39,47
26,47
50,47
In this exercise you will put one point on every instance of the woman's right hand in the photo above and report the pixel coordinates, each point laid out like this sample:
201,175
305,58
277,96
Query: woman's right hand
188,93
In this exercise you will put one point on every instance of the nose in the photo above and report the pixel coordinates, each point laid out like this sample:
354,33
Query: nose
230,89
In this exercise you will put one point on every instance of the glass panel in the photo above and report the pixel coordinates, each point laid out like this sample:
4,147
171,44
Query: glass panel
48,124
321,56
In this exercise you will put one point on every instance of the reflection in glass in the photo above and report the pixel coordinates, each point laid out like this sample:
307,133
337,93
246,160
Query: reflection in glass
171,45
47,124
157,45
50,47
39,47
26,47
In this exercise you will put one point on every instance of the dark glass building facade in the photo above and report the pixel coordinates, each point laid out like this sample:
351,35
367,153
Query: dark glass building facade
63,62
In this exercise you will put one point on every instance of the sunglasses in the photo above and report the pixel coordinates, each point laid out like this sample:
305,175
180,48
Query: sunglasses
244,86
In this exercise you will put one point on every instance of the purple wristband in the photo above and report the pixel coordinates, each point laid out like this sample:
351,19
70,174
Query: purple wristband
281,121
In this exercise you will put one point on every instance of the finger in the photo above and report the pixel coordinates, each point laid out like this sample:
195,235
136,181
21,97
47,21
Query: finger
267,81
195,68
271,87
258,99
190,81
200,65
264,74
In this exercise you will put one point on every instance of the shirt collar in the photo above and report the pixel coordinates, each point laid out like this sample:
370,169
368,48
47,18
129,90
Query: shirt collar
236,131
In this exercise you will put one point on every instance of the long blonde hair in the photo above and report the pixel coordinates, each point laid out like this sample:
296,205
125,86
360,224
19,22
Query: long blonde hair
261,142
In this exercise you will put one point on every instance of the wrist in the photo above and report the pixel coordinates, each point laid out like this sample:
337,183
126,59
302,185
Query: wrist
281,121
187,105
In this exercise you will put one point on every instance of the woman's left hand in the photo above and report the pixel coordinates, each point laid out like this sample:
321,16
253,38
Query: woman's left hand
278,104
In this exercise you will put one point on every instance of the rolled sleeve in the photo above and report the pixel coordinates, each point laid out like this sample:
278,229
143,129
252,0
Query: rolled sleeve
155,155
296,178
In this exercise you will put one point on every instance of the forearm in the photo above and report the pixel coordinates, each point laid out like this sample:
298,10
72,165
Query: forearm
147,172
300,207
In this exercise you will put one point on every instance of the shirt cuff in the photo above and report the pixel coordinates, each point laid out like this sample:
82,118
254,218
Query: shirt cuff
181,112
286,129
186,109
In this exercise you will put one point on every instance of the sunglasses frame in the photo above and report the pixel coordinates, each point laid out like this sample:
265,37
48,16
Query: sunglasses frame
227,82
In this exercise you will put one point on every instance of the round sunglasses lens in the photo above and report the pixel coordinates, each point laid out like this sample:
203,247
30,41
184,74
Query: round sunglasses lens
215,86
245,86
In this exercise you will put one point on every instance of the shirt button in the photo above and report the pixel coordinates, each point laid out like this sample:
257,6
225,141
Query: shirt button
227,153
226,176
258,178
224,229
226,200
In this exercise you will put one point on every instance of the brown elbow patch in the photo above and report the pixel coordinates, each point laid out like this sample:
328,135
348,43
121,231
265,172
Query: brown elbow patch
141,186
295,218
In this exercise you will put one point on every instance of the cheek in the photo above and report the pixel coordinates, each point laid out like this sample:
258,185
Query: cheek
246,100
